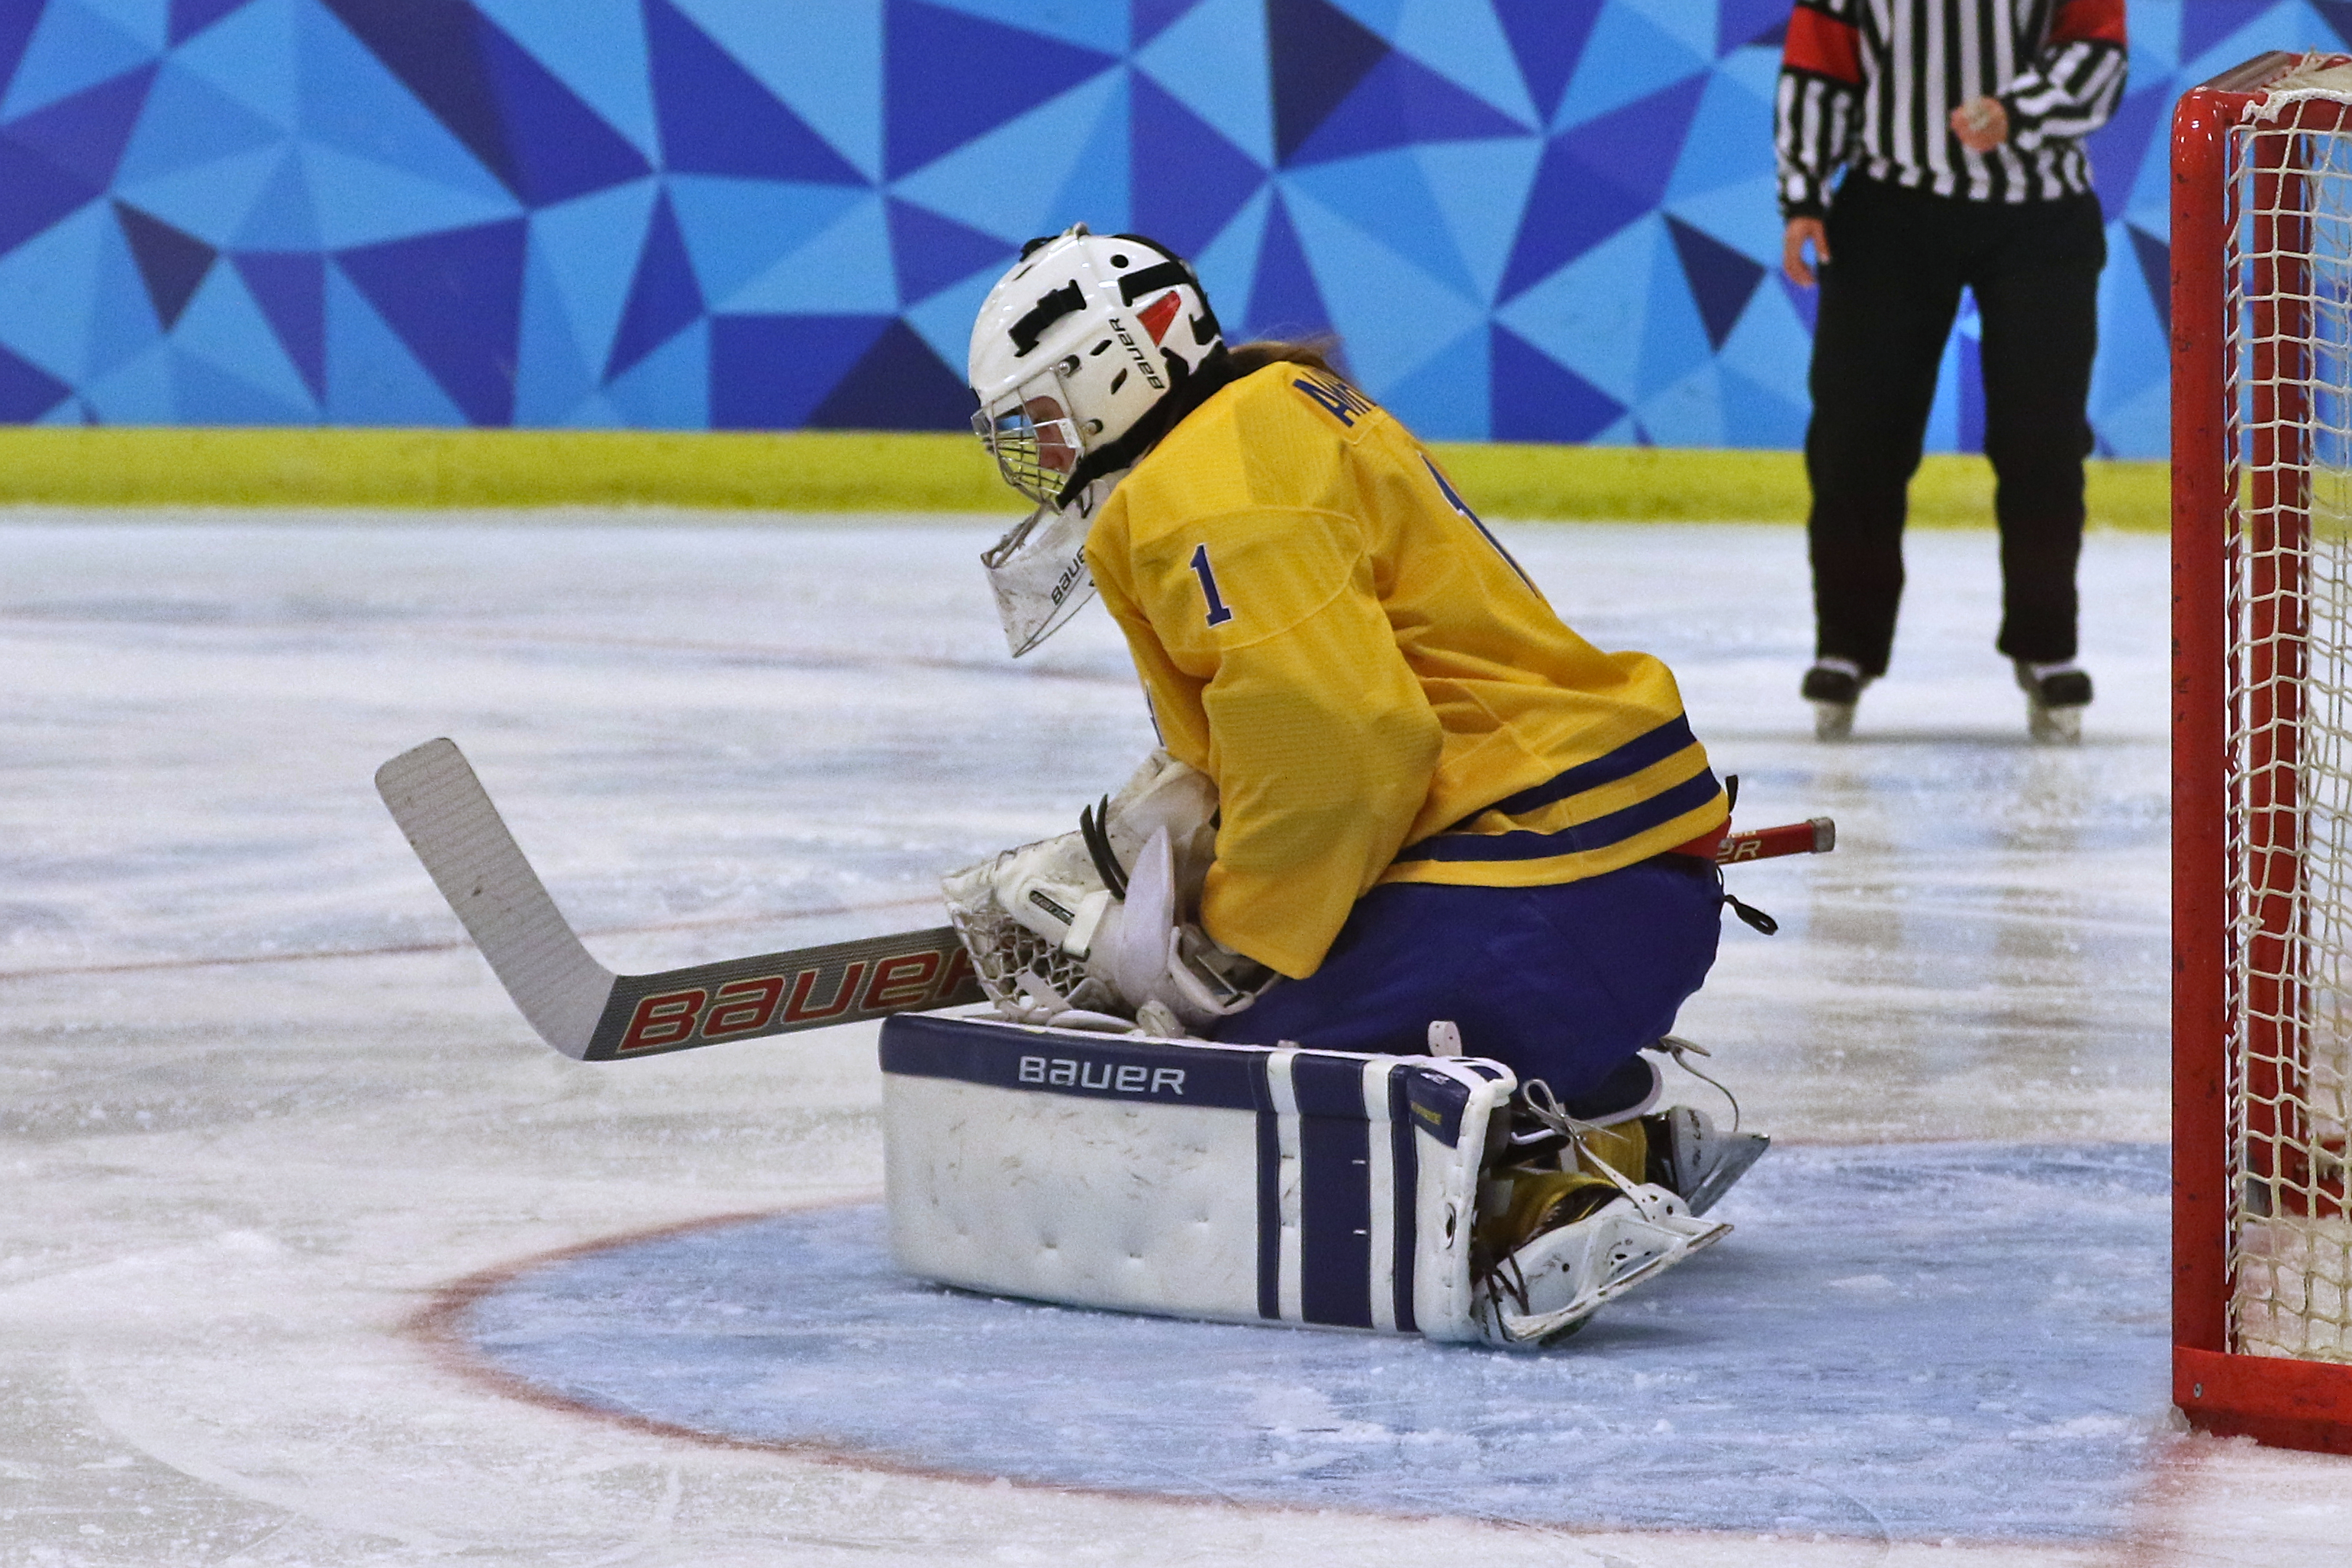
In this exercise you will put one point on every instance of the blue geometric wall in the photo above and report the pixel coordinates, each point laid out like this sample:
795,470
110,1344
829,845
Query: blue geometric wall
1527,219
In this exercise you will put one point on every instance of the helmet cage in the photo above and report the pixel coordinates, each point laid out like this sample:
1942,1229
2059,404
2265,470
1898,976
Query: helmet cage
1022,445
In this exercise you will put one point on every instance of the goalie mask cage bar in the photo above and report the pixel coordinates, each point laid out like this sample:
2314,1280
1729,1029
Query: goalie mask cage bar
2261,726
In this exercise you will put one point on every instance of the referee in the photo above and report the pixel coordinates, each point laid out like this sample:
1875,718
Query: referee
1959,126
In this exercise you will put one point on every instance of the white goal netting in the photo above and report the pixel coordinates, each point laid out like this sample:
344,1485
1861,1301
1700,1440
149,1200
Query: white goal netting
2289,358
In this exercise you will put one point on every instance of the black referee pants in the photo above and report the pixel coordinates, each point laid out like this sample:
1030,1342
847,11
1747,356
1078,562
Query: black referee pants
1899,260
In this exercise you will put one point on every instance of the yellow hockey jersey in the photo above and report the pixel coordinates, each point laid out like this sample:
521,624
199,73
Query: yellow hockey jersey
1379,693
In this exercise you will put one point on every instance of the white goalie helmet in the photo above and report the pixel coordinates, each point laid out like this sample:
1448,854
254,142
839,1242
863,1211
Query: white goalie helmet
1071,353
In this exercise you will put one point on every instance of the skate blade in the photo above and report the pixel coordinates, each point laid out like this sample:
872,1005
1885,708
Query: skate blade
1735,1163
1833,721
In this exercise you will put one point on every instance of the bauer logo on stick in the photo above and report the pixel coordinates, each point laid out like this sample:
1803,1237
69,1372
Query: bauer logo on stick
794,998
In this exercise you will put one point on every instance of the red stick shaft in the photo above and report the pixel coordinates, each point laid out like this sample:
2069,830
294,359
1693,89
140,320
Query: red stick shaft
1814,836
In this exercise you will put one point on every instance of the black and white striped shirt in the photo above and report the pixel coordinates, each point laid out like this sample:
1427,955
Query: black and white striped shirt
1871,84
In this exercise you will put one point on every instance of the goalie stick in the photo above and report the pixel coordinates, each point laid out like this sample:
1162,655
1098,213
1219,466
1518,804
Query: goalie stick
591,1014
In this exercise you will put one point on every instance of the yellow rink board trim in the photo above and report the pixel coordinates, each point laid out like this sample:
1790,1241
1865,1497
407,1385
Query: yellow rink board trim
855,471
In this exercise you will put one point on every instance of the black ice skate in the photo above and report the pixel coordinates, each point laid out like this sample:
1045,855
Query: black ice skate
1833,687
2055,696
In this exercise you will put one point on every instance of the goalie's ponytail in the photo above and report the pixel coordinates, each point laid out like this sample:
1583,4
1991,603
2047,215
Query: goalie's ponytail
1316,353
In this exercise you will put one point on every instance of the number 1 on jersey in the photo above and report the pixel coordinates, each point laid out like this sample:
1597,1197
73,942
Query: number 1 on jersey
1218,611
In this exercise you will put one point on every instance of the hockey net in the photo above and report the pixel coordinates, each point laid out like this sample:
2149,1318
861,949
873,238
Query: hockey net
2262,540
2290,655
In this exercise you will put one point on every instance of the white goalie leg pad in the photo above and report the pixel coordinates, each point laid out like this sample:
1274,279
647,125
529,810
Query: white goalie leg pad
1552,1284
1174,1176
1163,1175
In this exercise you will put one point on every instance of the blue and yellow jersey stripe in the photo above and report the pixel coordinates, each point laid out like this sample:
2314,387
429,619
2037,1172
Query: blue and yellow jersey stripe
1652,793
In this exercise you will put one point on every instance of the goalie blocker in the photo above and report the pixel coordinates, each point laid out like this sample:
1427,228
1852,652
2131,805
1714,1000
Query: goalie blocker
1246,1184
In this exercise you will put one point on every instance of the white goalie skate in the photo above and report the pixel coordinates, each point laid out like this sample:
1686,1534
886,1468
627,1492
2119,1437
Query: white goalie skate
1548,1288
1567,1258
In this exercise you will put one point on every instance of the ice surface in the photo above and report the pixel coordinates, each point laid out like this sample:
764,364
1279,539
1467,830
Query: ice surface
258,1105
1908,1341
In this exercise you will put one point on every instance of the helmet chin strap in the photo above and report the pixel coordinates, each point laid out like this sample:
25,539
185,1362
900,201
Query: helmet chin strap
1188,391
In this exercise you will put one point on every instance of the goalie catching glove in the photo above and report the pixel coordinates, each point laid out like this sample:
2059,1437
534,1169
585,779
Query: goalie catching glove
1091,928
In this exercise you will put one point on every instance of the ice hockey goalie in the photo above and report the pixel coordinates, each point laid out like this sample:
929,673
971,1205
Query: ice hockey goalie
1402,809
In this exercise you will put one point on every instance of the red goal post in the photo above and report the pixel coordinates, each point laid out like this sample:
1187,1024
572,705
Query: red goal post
2261,728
